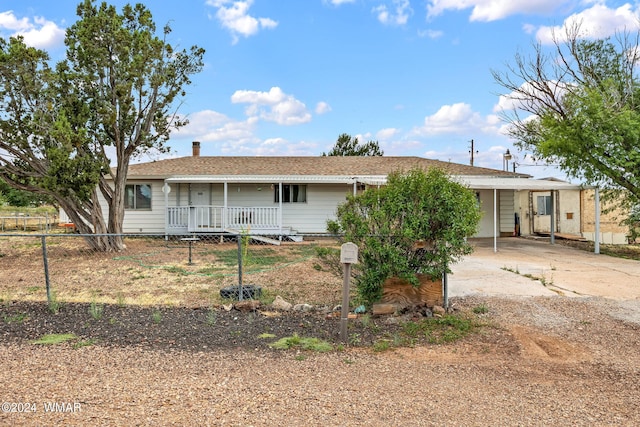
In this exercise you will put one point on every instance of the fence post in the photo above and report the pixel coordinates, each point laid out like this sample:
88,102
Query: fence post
45,259
240,292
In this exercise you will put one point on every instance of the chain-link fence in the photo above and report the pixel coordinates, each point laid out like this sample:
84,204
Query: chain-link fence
189,270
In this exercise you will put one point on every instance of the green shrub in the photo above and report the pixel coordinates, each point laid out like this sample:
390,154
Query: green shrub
417,223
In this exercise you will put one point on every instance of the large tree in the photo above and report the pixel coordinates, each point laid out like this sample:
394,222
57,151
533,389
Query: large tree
69,131
577,105
346,145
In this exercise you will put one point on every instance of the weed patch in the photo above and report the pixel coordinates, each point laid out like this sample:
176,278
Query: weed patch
52,339
303,343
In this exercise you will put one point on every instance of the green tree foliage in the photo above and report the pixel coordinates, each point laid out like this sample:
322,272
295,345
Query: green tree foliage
346,145
111,99
18,198
417,223
578,106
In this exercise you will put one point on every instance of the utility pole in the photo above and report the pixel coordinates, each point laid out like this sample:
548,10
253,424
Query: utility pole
472,151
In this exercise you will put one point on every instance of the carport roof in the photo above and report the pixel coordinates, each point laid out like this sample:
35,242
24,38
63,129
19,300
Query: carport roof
518,184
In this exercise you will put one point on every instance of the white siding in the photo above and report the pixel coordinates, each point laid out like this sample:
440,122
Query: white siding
506,212
312,216
147,221
306,217
142,221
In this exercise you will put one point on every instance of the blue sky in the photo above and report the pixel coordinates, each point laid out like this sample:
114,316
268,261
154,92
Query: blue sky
286,77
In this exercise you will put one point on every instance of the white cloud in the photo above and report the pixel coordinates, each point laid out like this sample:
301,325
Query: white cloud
432,34
399,15
38,32
456,119
233,15
492,10
598,21
322,108
274,106
386,134
211,126
339,2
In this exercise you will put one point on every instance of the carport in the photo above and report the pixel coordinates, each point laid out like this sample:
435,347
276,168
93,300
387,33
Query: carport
527,184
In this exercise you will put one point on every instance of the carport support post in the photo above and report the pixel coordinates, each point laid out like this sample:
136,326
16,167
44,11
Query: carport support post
495,220
552,238
596,248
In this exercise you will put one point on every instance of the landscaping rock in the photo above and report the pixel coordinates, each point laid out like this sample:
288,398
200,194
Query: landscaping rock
302,307
280,304
381,309
248,305
438,311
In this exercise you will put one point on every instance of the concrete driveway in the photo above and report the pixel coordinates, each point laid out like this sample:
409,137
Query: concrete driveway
530,267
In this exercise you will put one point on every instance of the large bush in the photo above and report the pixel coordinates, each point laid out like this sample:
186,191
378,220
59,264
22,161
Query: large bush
417,223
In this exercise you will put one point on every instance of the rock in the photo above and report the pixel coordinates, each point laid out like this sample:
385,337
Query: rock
302,307
438,311
391,321
380,309
337,308
280,304
227,307
248,305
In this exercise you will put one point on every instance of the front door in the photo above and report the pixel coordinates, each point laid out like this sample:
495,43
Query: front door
199,195
199,207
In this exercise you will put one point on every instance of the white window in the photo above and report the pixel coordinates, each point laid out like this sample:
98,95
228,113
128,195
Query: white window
137,196
291,193
544,205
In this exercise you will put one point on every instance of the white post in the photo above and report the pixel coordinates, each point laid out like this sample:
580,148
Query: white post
225,220
495,220
280,208
596,248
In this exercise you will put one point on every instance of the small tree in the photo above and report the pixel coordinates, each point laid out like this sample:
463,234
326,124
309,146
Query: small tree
346,145
417,223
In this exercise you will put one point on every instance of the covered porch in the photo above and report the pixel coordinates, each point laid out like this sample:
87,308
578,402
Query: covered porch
260,205
236,219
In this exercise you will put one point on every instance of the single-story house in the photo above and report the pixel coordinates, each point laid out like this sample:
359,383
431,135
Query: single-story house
295,195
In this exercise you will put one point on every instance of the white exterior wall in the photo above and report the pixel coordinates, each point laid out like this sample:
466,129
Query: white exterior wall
321,205
566,208
308,217
143,221
146,221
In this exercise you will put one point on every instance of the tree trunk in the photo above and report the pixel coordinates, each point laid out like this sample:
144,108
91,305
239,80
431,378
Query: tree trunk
89,220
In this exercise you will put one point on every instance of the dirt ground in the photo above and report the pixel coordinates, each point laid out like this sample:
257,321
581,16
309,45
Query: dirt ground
546,354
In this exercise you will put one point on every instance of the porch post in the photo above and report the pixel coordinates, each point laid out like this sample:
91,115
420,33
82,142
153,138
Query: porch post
280,208
495,220
224,202
165,190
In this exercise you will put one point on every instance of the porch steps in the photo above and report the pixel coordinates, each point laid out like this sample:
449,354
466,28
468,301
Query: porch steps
257,237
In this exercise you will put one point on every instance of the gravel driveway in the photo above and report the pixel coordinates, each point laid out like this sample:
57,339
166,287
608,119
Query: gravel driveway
558,354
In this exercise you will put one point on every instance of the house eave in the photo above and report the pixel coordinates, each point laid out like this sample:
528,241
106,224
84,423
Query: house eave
318,179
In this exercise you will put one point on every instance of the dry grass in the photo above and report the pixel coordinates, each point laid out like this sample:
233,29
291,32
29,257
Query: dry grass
157,272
